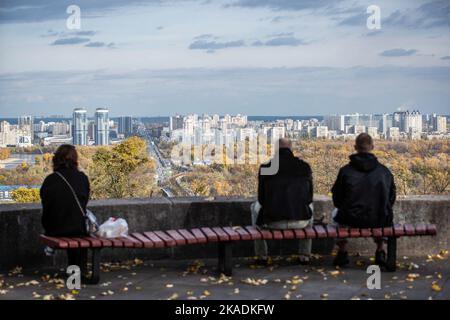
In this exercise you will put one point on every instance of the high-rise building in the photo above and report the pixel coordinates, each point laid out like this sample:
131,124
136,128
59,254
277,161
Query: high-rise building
413,133
79,126
393,133
215,120
320,132
405,120
175,123
245,133
26,125
413,121
125,126
373,132
440,124
101,126
8,136
59,128
91,130
385,123
189,125
335,122
276,133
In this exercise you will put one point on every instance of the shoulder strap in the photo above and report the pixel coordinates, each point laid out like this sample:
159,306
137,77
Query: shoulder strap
73,192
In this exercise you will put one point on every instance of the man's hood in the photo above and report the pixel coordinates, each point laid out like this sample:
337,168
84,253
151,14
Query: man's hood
363,161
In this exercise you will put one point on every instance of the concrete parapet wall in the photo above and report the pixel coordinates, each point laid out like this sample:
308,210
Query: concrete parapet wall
20,226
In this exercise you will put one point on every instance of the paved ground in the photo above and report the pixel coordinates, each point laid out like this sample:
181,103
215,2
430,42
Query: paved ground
417,278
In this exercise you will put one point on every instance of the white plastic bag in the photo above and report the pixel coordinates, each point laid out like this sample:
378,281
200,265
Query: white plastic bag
113,228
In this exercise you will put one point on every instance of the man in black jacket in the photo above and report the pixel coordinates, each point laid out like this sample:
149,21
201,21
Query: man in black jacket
285,197
363,194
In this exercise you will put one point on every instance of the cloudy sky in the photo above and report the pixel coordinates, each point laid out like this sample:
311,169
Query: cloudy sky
259,57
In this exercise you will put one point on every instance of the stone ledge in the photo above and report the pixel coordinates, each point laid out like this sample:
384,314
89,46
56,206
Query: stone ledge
20,226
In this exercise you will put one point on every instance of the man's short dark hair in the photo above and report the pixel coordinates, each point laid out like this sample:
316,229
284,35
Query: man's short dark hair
364,143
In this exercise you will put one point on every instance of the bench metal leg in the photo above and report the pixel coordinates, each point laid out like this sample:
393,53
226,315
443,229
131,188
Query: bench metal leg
391,261
95,268
225,258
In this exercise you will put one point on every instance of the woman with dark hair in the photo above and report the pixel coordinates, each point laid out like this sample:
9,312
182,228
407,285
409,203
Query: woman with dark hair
61,214
62,194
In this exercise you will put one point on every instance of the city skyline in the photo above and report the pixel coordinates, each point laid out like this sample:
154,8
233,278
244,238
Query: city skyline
205,129
255,57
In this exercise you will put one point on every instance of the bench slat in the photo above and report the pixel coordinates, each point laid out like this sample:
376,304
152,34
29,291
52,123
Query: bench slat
342,232
105,242
288,234
211,235
243,233
321,232
377,232
310,233
199,235
399,230
221,234
331,231
409,229
54,242
266,234
157,241
130,242
365,232
234,236
354,233
388,231
169,242
179,240
254,232
190,239
82,242
117,243
421,228
431,229
277,234
300,233
147,243
72,243
94,242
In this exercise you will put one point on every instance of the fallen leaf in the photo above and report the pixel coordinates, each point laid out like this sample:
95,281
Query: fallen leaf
436,287
173,296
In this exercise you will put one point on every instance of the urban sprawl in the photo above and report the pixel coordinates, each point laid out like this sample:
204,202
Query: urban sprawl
205,129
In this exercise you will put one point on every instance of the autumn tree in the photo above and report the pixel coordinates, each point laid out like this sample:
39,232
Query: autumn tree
25,195
122,171
4,153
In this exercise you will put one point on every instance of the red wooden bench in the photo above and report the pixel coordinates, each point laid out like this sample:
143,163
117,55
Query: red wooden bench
226,236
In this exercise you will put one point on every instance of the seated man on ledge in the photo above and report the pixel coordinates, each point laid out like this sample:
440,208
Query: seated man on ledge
363,194
284,199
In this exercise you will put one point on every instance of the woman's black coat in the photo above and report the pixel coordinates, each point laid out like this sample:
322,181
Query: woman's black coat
61,216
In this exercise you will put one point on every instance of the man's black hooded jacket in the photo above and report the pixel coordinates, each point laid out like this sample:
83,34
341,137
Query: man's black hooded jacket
364,193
